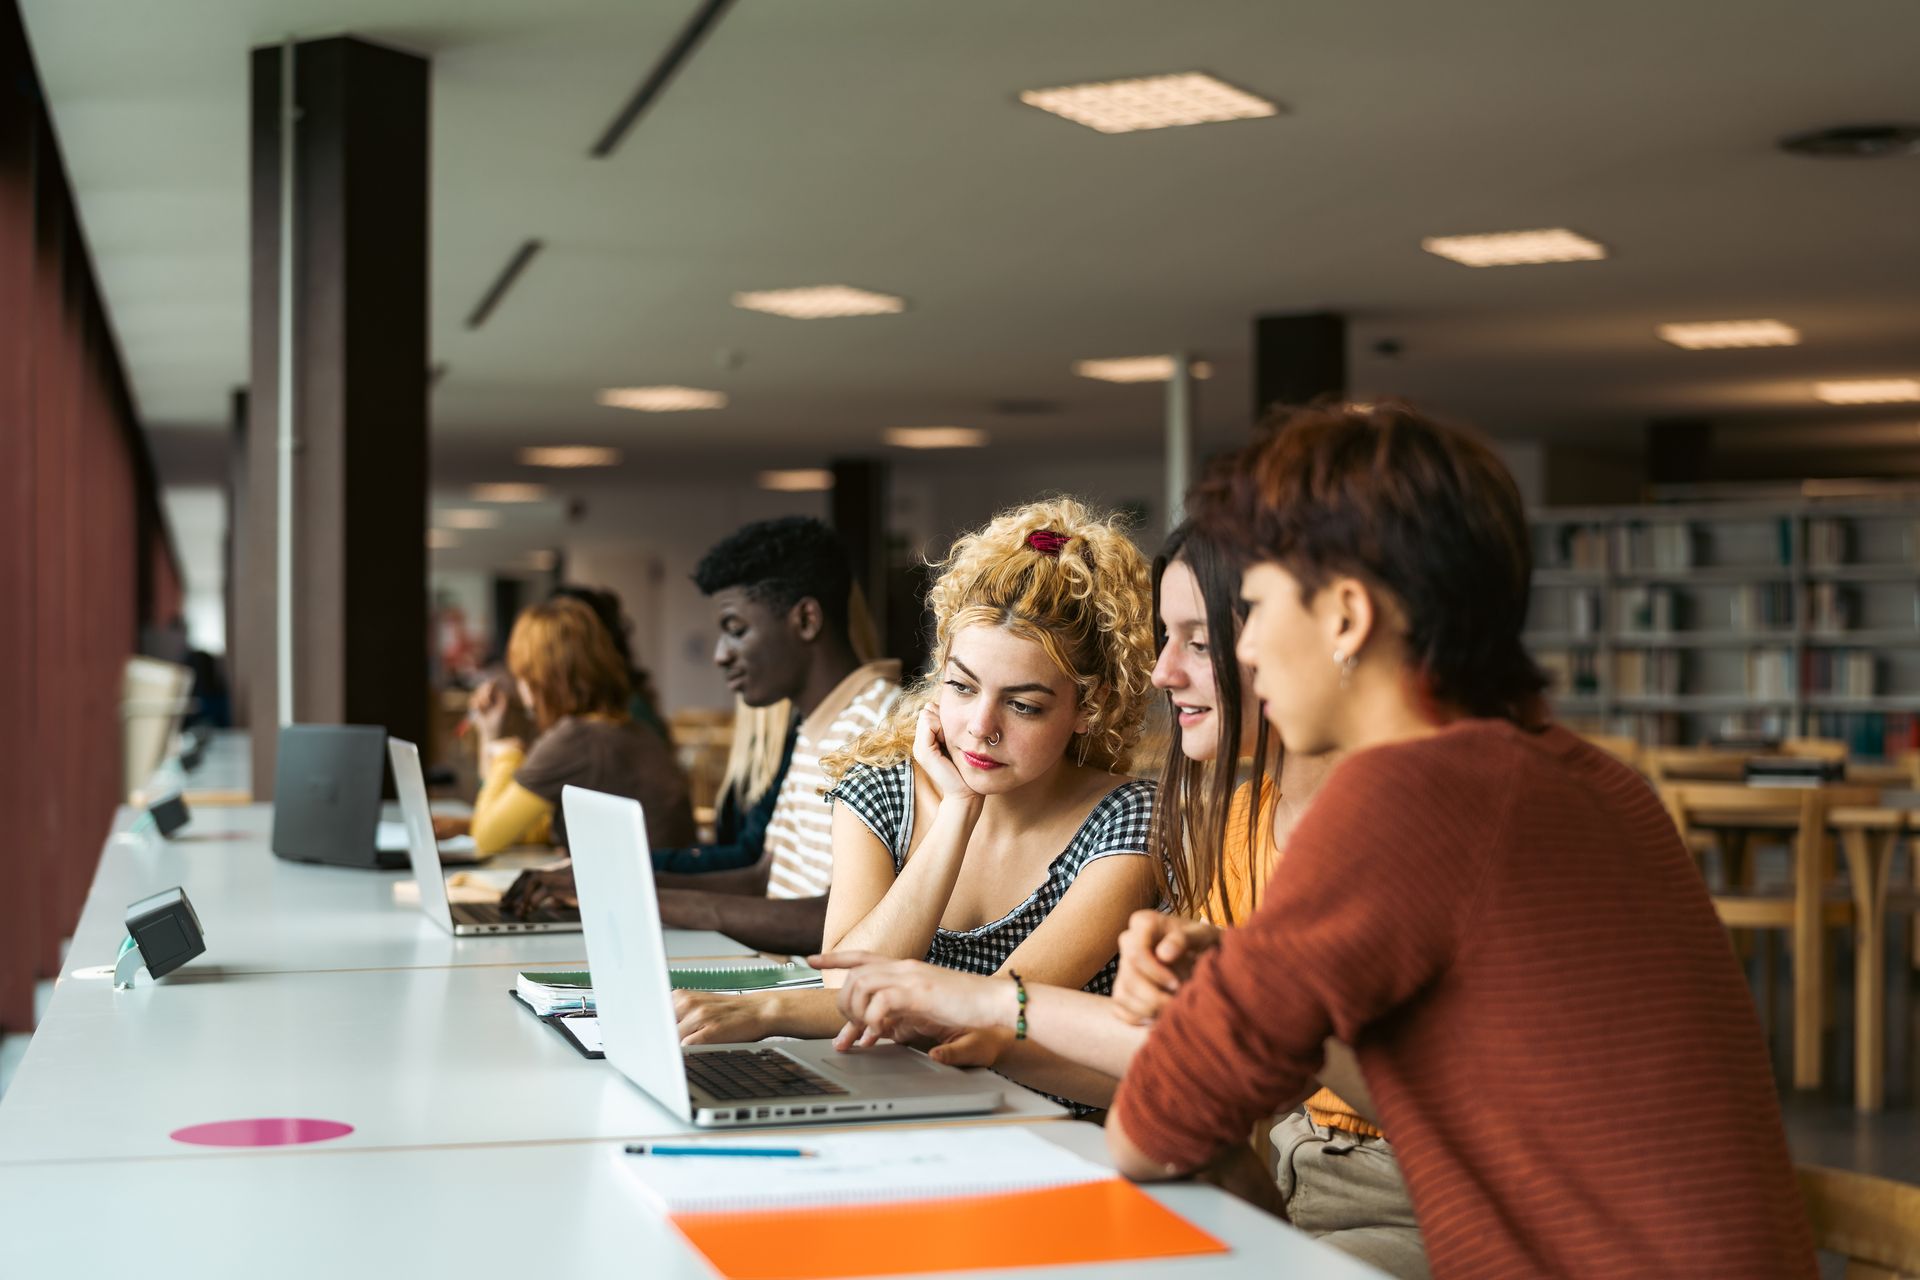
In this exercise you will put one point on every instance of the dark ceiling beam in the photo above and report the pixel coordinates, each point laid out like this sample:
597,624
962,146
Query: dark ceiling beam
702,21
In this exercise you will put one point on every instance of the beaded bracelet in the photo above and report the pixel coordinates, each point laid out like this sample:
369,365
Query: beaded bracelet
1020,994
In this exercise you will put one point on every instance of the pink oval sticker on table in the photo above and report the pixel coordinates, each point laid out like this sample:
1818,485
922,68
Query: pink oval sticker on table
271,1132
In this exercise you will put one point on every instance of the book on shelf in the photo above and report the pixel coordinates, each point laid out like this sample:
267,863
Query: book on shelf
1829,542
1648,610
1830,606
1761,604
1582,548
1570,673
1770,673
1648,673
1583,612
1885,735
1653,546
1840,673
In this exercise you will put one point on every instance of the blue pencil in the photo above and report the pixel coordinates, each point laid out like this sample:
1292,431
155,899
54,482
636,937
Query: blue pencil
775,1153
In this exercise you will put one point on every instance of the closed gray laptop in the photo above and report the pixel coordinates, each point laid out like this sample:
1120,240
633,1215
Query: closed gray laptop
722,1086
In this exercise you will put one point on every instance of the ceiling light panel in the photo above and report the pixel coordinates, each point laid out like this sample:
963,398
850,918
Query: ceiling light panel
935,437
662,399
1136,369
468,518
1718,335
1869,391
805,480
820,302
569,456
508,492
1516,248
1150,102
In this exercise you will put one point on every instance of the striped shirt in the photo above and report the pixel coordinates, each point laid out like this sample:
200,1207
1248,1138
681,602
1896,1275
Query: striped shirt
800,834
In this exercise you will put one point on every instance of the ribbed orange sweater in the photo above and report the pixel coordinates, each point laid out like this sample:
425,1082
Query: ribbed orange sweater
1506,927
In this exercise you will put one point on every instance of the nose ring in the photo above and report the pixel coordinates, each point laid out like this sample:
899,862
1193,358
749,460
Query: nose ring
994,741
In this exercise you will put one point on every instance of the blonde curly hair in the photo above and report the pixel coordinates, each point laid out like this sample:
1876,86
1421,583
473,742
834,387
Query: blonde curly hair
1089,607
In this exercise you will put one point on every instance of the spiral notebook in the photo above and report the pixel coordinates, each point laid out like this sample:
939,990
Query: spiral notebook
571,990
908,1201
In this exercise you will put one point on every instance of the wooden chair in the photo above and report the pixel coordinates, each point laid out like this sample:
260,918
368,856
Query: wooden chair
1664,765
1869,837
1874,1223
701,738
1798,816
1814,748
1619,746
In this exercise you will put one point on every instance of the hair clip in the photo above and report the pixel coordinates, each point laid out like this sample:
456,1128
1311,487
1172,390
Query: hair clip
1047,542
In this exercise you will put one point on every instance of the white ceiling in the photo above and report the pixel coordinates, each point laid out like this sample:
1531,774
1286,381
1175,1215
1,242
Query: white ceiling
880,143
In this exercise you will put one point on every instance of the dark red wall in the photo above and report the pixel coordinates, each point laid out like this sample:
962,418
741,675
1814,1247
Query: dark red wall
83,547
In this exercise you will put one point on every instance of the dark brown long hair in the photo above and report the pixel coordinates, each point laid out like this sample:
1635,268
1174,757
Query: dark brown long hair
1189,833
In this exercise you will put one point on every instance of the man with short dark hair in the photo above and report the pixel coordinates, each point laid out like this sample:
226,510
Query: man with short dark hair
780,591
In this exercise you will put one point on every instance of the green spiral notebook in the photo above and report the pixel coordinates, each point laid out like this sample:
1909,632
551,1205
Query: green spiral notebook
571,990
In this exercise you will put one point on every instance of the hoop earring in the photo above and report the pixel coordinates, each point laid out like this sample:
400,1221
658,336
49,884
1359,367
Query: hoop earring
1346,662
1080,755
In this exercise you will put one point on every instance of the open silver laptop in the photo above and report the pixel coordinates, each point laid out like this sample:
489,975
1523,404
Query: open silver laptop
462,919
722,1086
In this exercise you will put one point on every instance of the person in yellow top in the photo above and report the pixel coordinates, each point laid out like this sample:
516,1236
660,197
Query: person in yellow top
570,677
1228,797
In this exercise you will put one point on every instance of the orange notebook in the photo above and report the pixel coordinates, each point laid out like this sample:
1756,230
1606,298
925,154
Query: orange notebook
1107,1221
905,1201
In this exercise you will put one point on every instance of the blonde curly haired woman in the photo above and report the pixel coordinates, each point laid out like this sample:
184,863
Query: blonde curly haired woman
987,825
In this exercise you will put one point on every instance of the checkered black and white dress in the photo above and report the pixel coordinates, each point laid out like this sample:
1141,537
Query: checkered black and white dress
882,798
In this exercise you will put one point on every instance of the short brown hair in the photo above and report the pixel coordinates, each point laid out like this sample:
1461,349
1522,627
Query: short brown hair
569,661
1424,512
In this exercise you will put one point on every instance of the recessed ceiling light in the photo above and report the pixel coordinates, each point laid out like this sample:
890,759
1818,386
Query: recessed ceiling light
1150,102
662,399
507,492
821,302
1516,248
469,518
1869,391
570,455
935,437
1136,369
1713,335
441,539
799,481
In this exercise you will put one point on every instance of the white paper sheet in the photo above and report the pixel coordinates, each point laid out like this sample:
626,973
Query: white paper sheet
856,1168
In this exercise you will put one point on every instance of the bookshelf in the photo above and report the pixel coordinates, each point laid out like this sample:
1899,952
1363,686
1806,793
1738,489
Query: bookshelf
1676,623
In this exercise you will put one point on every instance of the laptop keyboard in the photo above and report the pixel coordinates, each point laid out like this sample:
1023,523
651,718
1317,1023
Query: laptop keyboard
734,1074
489,913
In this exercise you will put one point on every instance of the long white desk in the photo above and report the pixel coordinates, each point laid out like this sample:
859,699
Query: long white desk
321,998
441,1212
409,1057
265,915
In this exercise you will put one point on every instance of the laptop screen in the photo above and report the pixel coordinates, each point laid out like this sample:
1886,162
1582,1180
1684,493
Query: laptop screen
626,945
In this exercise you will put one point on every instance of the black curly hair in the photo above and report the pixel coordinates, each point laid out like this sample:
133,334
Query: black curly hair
780,563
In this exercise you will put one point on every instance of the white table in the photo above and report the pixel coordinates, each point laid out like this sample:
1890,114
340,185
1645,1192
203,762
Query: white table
262,914
439,1212
321,998
409,1057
